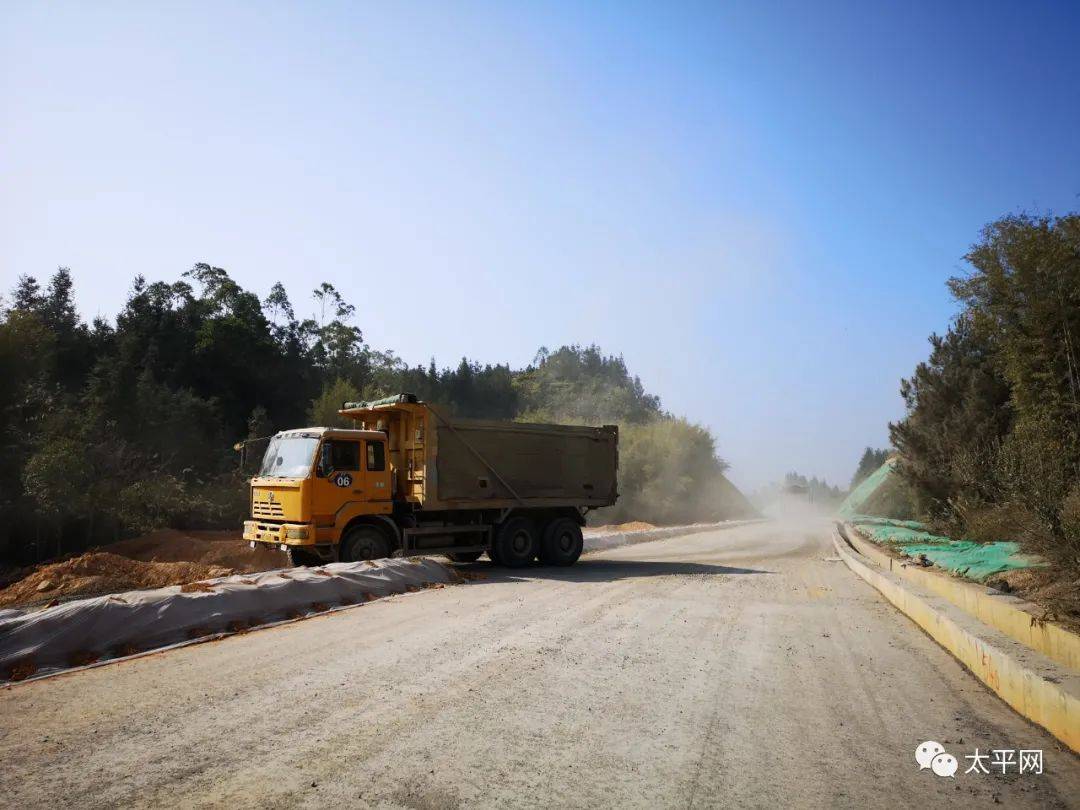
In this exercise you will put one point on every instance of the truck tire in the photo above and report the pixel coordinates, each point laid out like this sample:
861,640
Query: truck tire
364,543
515,543
464,556
562,542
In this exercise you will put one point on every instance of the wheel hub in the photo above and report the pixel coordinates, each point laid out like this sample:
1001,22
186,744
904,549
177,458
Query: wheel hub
520,542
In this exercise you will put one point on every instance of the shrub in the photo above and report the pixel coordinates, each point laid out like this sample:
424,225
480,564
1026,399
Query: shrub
669,473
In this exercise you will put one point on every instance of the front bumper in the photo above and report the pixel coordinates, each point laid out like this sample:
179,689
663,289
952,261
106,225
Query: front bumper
279,534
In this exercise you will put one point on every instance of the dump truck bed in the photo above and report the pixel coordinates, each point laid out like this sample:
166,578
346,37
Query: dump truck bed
445,462
478,461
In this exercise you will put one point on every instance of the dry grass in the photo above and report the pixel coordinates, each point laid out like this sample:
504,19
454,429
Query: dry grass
1059,597
1055,587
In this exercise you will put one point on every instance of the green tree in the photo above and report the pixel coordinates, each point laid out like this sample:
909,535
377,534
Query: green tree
990,442
669,472
579,384
324,408
958,406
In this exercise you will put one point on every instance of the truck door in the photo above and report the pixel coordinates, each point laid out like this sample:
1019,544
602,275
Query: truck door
339,478
378,471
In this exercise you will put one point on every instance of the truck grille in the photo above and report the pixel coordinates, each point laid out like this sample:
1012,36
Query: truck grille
261,509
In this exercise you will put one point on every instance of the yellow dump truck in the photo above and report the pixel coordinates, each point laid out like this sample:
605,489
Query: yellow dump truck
411,479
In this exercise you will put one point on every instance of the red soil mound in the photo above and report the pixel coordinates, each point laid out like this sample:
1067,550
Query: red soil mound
223,548
166,557
97,573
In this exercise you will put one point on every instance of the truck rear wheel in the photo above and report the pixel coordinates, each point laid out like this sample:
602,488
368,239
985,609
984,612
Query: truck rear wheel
515,543
364,543
562,542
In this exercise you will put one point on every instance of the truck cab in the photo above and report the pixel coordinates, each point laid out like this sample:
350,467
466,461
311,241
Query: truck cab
314,483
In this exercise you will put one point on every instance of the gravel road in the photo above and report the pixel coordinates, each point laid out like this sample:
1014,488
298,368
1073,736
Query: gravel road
742,667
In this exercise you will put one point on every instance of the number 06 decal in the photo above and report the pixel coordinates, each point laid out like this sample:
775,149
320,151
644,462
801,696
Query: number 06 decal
343,480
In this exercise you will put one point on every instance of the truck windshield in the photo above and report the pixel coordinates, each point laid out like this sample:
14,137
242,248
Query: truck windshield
289,457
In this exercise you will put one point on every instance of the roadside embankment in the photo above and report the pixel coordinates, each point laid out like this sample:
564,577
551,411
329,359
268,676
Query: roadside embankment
983,631
1022,620
155,560
85,631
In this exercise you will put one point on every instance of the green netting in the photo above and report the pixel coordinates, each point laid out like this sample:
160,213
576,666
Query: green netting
964,557
854,502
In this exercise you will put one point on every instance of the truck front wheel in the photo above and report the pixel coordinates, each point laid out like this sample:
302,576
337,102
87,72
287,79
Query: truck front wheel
364,543
562,543
515,543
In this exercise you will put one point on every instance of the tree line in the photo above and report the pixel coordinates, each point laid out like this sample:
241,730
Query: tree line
990,441
109,429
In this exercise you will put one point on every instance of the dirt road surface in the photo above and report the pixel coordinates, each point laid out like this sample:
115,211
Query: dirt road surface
743,667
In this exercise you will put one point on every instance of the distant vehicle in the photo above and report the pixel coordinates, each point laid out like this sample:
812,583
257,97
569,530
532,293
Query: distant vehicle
414,480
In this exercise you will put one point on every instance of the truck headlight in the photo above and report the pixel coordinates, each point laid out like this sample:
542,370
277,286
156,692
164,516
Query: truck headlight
296,534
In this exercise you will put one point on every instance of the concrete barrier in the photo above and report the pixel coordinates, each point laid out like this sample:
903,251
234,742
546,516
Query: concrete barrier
1036,687
1014,617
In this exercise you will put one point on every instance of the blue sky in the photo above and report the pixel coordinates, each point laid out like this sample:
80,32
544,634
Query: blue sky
757,204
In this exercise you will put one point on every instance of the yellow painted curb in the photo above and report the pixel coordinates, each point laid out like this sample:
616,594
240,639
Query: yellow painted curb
1000,611
1043,702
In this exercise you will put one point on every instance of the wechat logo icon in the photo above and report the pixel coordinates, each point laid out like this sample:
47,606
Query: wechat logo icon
933,755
